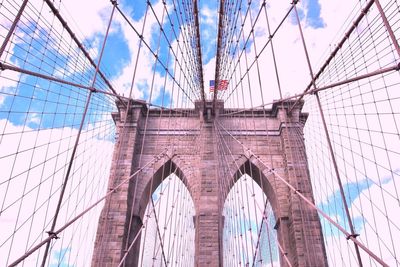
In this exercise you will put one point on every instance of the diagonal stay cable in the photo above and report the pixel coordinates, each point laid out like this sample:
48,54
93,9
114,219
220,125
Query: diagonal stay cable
348,235
76,143
55,233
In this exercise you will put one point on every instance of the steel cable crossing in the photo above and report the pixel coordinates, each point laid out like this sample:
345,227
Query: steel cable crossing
377,31
181,73
56,98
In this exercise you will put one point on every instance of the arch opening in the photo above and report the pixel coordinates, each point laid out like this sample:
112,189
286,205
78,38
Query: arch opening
249,237
168,234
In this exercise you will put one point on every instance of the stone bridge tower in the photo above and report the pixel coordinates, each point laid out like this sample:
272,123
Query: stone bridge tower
299,229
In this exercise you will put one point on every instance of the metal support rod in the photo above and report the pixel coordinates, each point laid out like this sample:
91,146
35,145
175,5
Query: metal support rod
218,59
158,232
339,180
323,88
259,234
123,129
284,254
135,238
271,36
127,246
54,234
12,28
336,50
198,51
354,79
5,66
78,43
388,27
333,158
261,50
348,235
154,54
64,186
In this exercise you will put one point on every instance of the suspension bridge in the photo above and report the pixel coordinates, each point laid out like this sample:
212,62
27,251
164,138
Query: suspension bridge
114,151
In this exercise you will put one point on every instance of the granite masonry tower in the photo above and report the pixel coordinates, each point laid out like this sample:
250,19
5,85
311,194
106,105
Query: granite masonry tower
298,226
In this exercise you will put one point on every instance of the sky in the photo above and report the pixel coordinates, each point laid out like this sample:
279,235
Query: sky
178,242
322,22
121,48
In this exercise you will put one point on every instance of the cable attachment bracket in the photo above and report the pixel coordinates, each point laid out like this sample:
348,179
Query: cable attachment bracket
352,236
53,235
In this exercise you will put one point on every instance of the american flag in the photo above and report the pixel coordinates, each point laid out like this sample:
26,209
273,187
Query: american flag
223,85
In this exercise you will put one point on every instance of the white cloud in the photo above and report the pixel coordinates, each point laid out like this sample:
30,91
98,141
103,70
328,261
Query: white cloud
174,208
292,68
208,74
208,16
208,21
378,232
291,60
8,82
34,118
8,79
88,22
33,168
243,210
89,17
381,214
144,73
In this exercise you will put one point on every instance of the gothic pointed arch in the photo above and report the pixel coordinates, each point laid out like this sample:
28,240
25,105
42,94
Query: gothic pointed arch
155,177
261,175
167,212
249,219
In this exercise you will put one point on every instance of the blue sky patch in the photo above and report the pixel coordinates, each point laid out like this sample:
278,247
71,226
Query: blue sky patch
313,17
138,8
310,11
292,17
116,53
61,258
208,29
335,209
50,96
